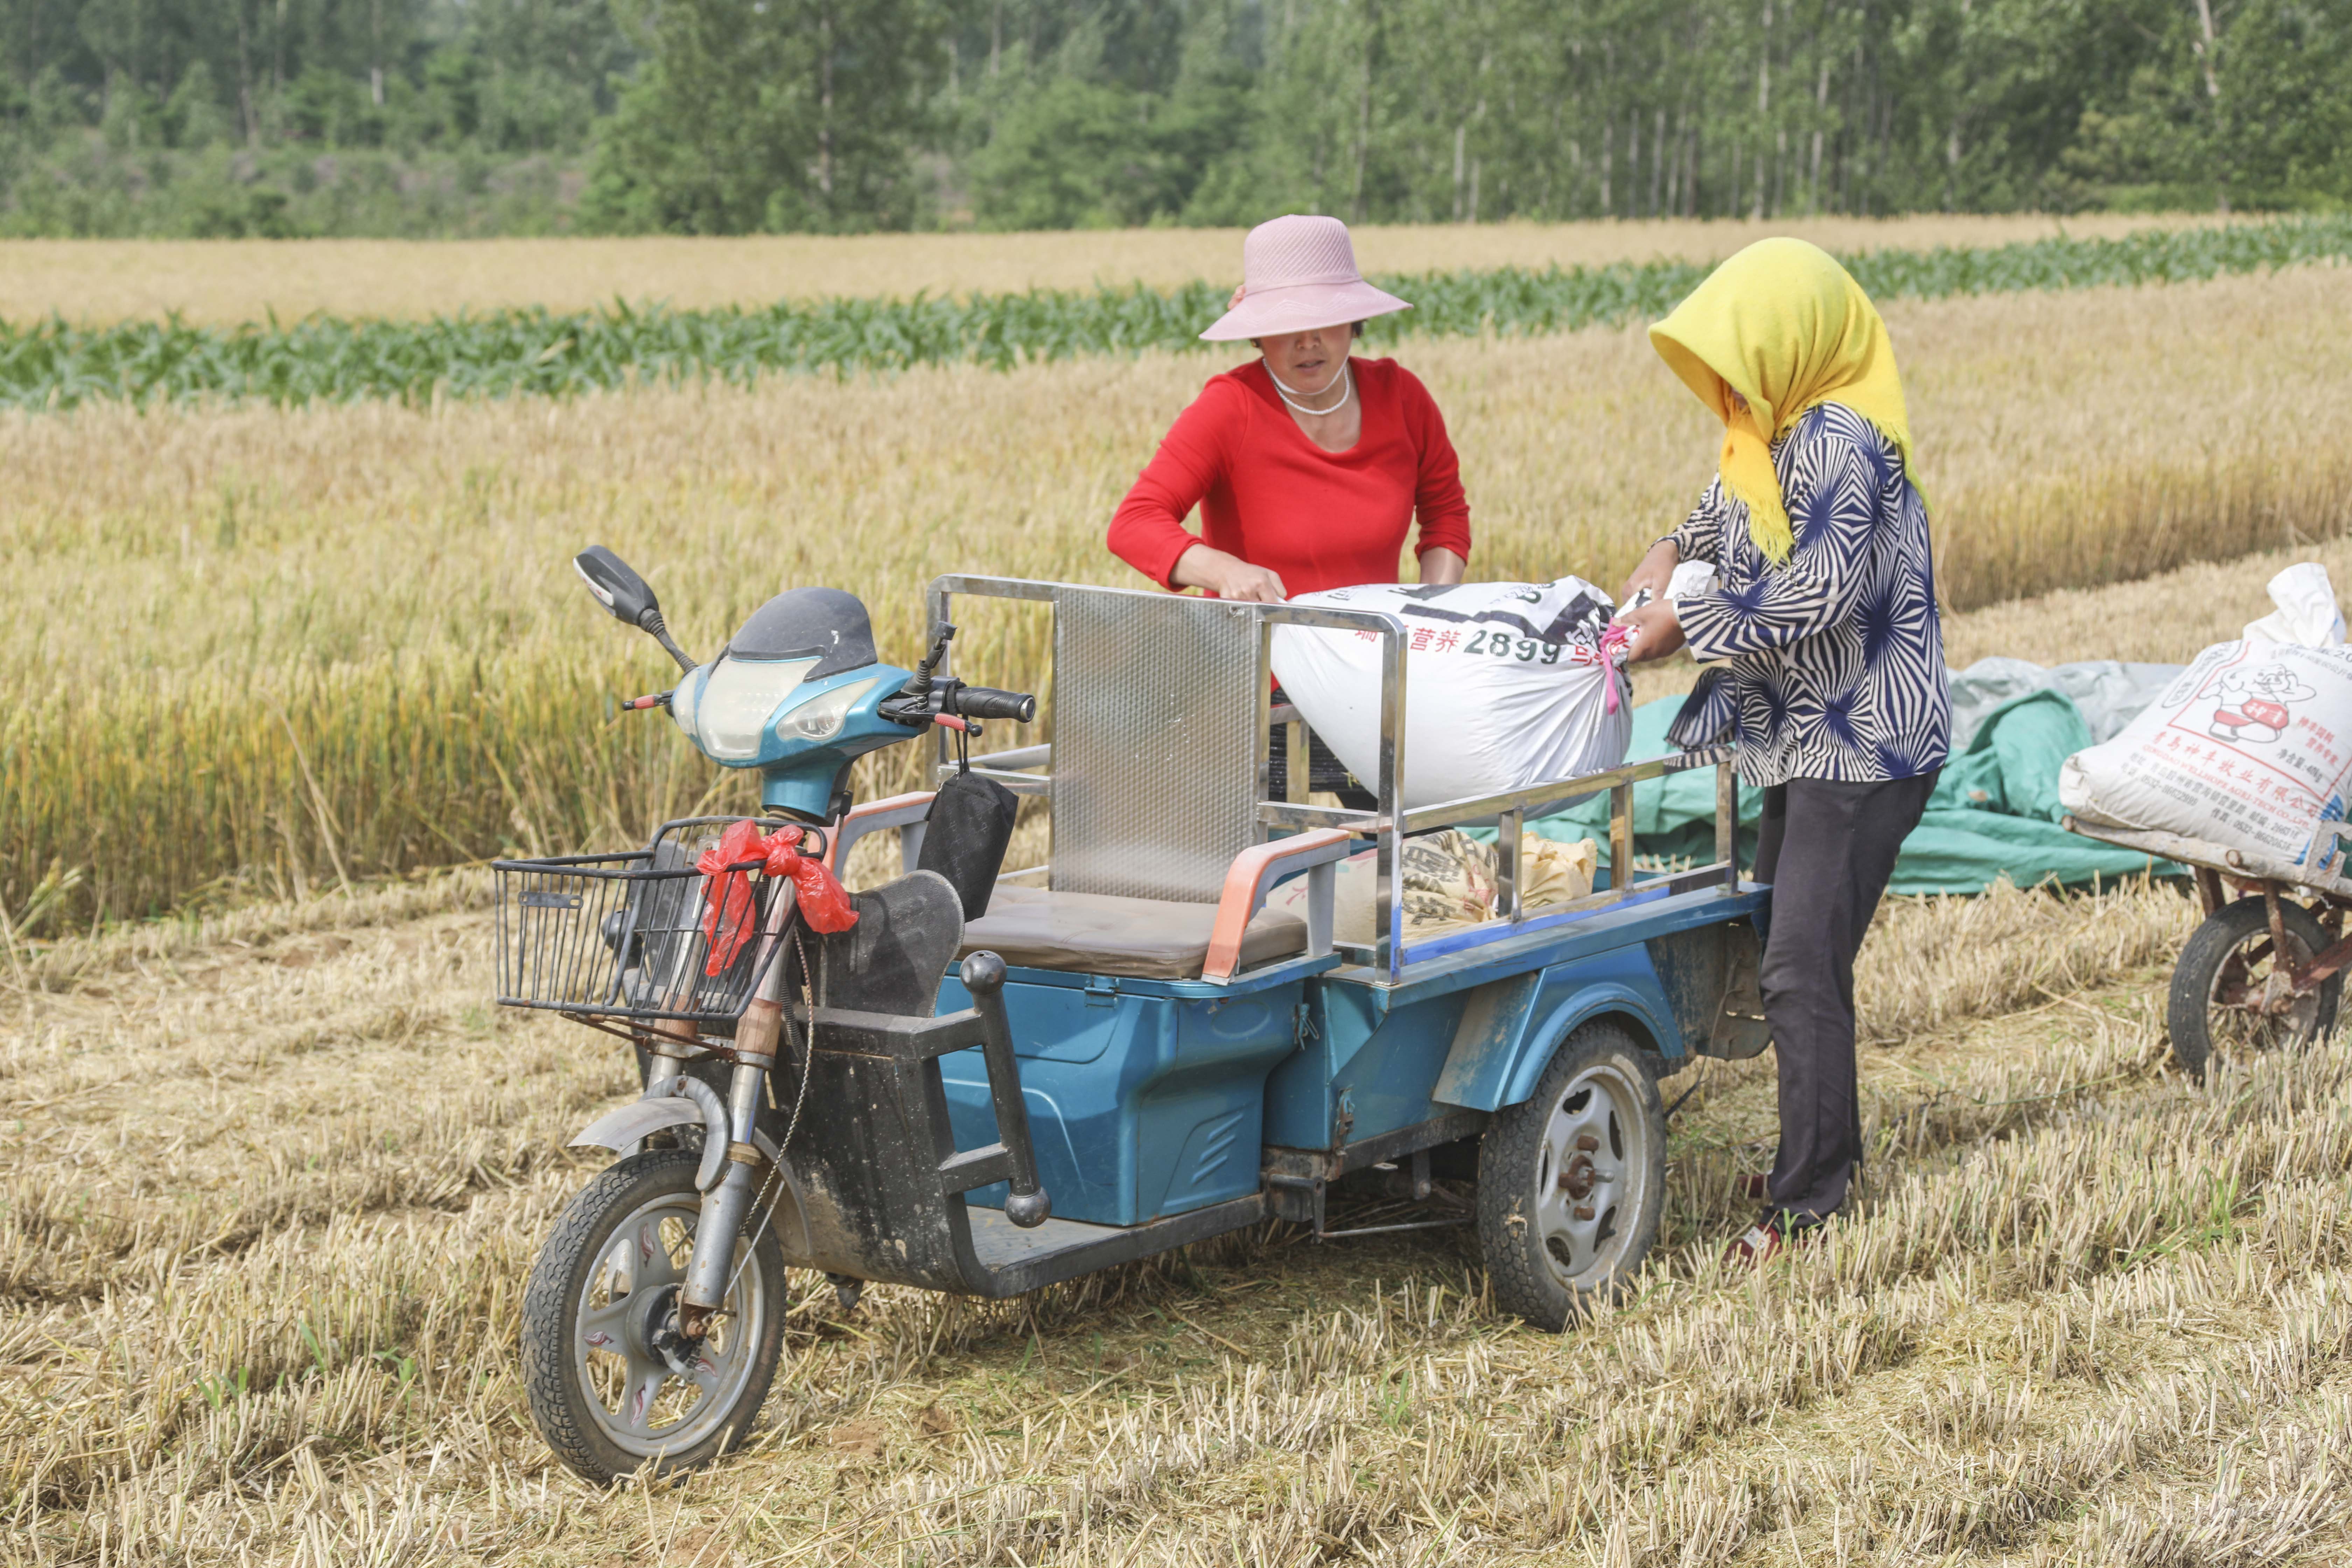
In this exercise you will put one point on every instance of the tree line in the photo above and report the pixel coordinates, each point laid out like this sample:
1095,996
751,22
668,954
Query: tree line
733,116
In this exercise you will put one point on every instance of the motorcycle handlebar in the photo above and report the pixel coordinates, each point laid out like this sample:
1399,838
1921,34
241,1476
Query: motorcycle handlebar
984,702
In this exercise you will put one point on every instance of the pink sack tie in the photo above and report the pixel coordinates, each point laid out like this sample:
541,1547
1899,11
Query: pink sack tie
1616,639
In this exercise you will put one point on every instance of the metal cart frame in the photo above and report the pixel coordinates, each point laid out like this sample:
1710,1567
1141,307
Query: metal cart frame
2214,867
1028,770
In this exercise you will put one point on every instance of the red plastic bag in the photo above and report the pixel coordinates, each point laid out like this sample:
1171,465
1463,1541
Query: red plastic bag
824,902
728,915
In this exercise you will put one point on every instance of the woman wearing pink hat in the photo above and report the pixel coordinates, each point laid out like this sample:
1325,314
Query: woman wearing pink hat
1307,466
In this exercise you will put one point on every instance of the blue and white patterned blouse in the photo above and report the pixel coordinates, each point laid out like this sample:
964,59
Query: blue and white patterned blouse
1837,654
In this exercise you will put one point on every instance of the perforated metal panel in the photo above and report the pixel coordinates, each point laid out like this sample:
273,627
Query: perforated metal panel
1155,752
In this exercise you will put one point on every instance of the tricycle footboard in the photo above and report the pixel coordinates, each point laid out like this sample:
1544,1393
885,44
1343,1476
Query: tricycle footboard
875,1187
865,1196
874,1183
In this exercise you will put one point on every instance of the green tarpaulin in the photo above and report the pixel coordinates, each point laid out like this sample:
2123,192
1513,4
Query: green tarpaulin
1994,812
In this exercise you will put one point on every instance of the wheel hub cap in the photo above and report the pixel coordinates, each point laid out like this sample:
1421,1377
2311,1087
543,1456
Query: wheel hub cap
2254,1002
647,1316
653,1334
1590,1175
1581,1177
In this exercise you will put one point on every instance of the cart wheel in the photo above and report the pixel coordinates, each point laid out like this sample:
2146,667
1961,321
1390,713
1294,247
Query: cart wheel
1572,1182
2220,1005
600,1354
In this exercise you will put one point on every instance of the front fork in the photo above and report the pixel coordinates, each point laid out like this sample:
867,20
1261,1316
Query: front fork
727,1203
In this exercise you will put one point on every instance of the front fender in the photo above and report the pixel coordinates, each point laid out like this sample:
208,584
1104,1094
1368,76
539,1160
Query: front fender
682,1099
636,1121
619,1129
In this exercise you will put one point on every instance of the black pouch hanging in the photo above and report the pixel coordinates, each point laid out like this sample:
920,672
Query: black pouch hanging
966,834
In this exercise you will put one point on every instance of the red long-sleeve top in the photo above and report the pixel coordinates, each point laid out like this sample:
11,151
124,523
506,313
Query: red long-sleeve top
1268,494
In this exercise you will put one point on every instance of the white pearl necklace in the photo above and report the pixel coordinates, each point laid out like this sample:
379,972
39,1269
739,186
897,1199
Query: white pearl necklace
1284,393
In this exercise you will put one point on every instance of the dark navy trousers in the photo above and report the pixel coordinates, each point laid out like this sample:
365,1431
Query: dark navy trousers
1828,849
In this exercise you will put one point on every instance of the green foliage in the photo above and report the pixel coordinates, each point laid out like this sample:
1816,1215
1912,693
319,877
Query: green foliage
330,110
387,117
195,116
2285,117
1082,155
224,193
1077,155
53,364
733,116
768,115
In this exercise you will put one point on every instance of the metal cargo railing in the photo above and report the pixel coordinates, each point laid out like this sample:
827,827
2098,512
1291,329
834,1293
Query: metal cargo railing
1158,778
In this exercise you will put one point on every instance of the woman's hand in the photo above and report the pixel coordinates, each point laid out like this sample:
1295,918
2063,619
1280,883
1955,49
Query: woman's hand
1655,571
1654,631
1227,576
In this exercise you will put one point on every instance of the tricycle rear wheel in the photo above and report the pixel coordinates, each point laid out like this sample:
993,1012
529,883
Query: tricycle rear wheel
1572,1182
2220,1005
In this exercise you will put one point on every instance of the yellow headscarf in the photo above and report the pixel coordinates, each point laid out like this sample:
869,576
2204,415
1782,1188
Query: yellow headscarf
1786,327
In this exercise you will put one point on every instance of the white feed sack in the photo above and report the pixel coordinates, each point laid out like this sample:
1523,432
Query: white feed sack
1505,685
2251,748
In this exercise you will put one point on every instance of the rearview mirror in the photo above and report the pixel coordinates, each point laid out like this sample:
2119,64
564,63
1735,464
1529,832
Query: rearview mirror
626,594
616,587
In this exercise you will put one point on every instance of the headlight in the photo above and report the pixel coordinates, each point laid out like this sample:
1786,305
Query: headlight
821,717
734,699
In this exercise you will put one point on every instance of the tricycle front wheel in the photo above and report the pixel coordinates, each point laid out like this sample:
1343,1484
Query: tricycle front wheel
2231,990
1572,1182
612,1387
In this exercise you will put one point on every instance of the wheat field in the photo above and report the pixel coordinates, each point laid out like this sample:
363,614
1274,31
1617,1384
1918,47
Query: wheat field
266,651
224,282
273,1181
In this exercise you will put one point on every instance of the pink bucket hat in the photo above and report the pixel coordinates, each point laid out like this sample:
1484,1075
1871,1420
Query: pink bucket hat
1299,273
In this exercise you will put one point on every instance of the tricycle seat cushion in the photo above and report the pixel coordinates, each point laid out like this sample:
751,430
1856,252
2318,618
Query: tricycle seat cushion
1099,933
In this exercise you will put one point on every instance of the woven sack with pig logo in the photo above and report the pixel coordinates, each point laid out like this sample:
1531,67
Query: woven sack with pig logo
2249,748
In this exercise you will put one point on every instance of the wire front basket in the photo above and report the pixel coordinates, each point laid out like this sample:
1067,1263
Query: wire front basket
632,937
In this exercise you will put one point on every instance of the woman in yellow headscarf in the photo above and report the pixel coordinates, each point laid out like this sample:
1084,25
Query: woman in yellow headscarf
1824,603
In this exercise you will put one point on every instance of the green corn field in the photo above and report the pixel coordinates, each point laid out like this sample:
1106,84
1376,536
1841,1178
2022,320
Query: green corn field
54,365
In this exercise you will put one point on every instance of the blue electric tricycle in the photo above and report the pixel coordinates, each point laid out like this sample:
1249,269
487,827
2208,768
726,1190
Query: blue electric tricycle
990,1083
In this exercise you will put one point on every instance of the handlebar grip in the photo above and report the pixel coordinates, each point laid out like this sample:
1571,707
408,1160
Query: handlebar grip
985,702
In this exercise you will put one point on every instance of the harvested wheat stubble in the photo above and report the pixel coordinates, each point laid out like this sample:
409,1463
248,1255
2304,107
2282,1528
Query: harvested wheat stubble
239,603
273,1187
